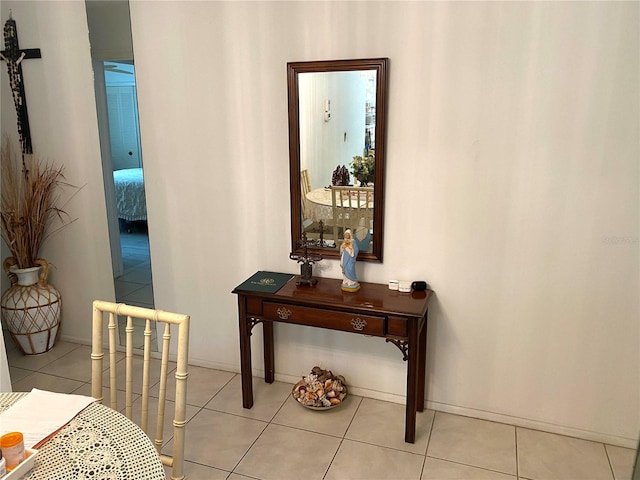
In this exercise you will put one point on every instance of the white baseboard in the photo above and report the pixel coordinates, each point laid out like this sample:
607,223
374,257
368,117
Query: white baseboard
70,339
225,367
484,415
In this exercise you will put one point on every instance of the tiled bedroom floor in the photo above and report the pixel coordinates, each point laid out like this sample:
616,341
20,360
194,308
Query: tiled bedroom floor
134,286
362,439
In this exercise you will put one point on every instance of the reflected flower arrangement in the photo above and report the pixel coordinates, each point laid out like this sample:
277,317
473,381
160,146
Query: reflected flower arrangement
364,169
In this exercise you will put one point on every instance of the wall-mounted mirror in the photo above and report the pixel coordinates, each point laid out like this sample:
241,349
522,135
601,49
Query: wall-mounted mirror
337,131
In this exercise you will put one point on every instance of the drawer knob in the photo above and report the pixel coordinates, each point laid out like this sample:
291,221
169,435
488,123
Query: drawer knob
358,323
284,313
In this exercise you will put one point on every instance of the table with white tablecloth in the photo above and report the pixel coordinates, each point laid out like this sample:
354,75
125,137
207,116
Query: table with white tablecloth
98,443
355,212
320,206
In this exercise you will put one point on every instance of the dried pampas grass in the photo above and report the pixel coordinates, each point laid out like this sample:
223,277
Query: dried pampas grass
29,208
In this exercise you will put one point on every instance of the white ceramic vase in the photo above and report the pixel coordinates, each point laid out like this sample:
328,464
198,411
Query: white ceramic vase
31,307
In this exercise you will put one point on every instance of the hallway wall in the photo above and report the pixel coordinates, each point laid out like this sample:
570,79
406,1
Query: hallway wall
512,188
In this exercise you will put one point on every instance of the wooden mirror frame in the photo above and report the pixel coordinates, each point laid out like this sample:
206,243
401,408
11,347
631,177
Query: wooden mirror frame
380,65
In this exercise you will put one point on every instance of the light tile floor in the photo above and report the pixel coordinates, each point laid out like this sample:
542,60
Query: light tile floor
362,439
134,286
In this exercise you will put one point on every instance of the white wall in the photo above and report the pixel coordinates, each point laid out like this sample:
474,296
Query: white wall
110,29
62,114
512,188
325,145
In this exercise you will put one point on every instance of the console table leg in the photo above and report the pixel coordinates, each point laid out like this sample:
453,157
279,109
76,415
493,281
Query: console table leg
422,362
245,354
267,329
412,382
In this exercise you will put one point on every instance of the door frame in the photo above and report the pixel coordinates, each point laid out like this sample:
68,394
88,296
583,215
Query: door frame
107,168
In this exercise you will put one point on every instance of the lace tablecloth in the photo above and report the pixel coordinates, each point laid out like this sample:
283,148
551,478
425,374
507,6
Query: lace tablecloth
319,206
98,444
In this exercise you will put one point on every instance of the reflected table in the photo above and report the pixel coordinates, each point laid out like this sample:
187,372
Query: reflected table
320,206
353,210
98,443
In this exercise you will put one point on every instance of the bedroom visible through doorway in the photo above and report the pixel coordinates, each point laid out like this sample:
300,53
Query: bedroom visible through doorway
134,285
122,160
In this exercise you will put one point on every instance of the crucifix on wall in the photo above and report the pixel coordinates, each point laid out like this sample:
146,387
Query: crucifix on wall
13,57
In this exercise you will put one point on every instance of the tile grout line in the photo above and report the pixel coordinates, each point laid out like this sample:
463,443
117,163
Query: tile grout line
342,439
424,462
266,425
606,452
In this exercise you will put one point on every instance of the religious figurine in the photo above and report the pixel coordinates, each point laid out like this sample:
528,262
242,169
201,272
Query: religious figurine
362,236
321,228
348,255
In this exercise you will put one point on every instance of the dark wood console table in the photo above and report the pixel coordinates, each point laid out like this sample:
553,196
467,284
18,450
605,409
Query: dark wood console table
401,318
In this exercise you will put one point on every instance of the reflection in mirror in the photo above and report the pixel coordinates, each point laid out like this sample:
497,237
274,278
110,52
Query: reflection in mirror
336,135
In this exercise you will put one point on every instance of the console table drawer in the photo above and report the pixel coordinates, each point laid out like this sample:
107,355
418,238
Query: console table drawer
397,326
318,317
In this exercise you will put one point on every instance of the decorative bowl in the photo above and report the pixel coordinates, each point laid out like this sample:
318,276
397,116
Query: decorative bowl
320,390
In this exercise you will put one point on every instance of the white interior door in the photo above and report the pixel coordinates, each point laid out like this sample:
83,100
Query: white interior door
123,126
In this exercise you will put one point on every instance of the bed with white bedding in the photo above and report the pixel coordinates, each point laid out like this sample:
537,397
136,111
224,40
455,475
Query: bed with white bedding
130,198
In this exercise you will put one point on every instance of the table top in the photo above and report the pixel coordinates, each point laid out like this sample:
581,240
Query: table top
98,443
371,298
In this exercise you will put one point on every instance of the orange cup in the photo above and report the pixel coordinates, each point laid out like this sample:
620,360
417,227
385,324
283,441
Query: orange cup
12,445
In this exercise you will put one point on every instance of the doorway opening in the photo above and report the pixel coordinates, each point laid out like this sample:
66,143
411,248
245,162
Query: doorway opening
122,162
133,284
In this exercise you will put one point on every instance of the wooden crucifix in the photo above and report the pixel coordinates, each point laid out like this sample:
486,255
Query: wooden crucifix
13,56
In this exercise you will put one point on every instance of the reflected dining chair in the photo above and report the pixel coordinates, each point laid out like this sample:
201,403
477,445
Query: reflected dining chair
305,187
144,383
350,206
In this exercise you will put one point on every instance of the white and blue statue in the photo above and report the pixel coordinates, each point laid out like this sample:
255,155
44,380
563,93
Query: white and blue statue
348,255
362,236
